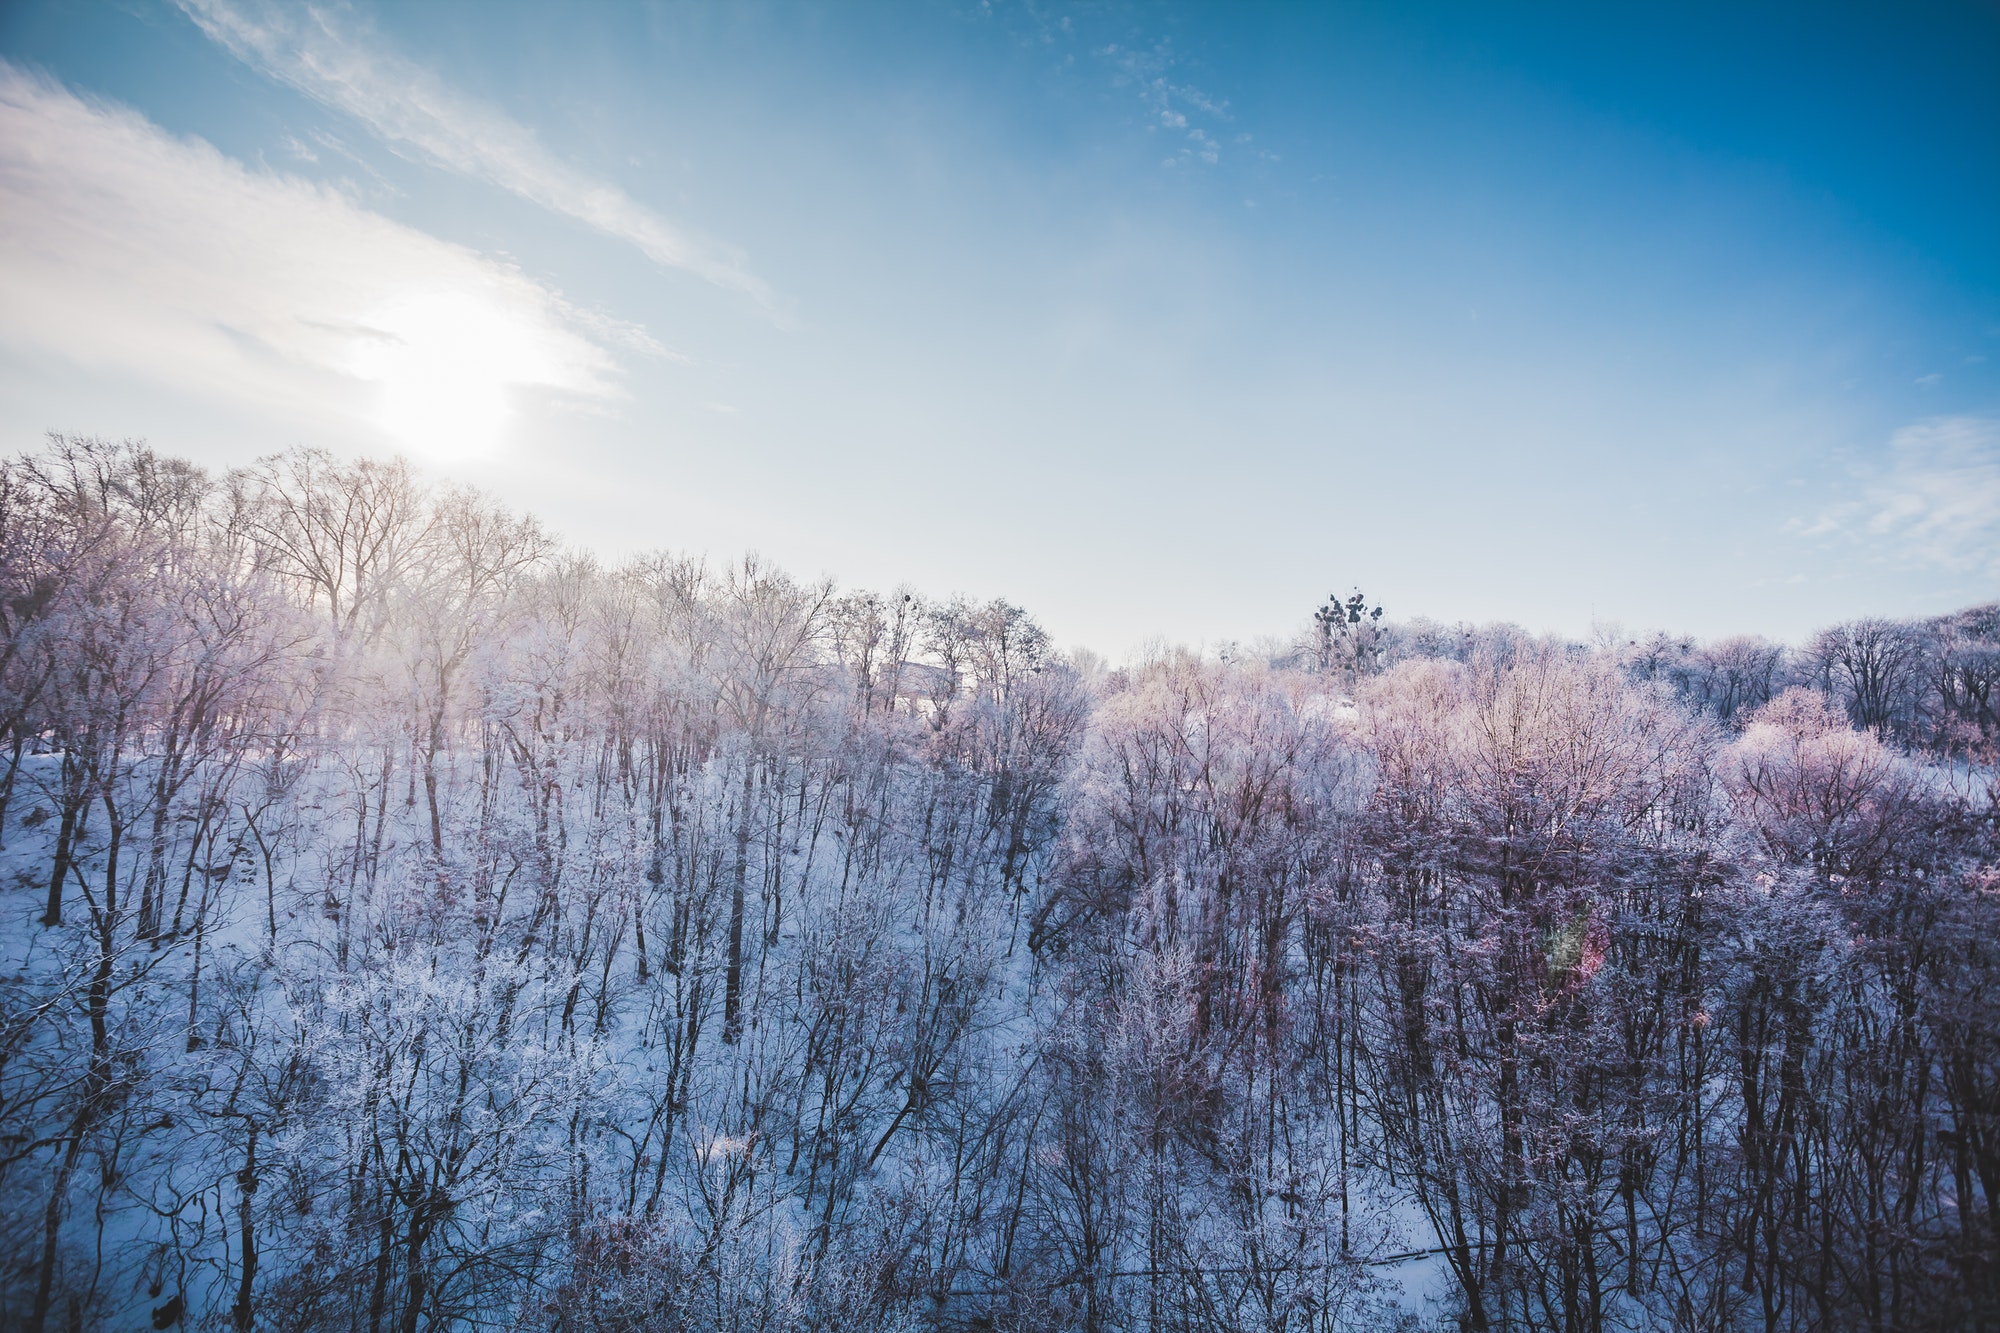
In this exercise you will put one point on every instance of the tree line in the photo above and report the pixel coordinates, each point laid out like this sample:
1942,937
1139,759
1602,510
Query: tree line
412,922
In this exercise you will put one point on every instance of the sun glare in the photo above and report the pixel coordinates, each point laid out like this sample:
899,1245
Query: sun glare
445,362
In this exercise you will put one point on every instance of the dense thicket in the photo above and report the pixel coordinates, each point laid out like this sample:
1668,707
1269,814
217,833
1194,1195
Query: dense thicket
410,923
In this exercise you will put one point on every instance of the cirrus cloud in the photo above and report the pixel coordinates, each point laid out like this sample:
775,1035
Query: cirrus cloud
131,250
323,52
1936,500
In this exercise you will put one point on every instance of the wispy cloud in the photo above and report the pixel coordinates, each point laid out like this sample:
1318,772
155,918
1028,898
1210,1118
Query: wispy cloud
1935,502
325,53
1191,121
1172,106
130,250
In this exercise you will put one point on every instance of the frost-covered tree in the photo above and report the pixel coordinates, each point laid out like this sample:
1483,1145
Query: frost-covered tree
415,923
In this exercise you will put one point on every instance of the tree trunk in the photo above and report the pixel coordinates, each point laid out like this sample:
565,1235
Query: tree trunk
242,1316
732,983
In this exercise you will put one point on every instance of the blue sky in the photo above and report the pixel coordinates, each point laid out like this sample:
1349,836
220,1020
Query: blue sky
1159,320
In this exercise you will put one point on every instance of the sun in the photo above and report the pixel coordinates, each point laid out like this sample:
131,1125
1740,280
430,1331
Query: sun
444,363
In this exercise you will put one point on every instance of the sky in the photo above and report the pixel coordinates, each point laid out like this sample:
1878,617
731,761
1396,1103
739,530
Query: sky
1163,321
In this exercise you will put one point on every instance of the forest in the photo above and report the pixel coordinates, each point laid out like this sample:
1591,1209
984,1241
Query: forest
411,922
